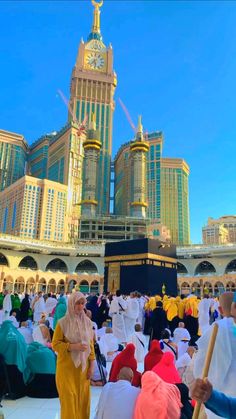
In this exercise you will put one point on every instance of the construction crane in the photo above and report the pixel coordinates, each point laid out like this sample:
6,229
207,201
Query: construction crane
81,126
128,116
134,128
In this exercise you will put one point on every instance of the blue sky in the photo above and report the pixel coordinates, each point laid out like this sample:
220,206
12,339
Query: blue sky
176,65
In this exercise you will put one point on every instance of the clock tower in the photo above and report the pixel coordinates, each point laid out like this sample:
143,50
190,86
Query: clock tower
93,84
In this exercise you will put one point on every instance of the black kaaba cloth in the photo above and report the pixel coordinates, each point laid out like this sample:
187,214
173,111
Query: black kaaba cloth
145,265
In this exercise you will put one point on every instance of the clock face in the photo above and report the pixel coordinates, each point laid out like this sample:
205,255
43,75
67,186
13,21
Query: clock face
95,61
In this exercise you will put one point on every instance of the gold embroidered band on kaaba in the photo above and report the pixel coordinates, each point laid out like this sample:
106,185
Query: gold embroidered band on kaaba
137,256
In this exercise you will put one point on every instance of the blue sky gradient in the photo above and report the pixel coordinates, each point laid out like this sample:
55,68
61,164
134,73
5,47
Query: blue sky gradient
176,65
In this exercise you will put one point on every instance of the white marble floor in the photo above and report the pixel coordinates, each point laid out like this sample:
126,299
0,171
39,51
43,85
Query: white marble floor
26,408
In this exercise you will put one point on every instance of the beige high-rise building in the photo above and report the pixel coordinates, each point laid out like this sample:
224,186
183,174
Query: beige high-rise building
220,231
175,199
35,208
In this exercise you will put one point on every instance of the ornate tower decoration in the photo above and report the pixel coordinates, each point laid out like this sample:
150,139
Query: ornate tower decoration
93,84
92,146
138,150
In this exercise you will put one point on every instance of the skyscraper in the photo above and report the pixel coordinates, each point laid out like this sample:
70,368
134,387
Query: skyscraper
13,154
34,208
93,84
175,199
150,193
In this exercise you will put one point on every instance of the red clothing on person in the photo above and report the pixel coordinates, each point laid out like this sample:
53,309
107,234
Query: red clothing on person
153,356
157,399
166,369
125,359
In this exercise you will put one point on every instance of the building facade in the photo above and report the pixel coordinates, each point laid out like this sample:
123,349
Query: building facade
220,231
34,208
33,265
13,156
175,199
167,188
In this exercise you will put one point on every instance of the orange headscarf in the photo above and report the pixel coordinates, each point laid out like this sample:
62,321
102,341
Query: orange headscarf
77,328
157,399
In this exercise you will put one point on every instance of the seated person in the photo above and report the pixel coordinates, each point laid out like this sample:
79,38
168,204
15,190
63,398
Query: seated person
181,333
109,345
157,399
139,341
41,333
26,331
96,379
153,356
101,332
215,401
12,318
1,314
167,345
13,350
166,369
40,371
117,400
125,359
184,361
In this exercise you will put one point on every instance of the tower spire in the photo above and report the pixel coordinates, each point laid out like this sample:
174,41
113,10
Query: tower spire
96,17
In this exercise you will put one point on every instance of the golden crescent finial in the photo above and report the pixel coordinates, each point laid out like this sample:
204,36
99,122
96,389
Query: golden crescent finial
97,4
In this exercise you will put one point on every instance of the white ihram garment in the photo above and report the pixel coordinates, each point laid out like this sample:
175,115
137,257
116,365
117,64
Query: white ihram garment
139,341
117,310
117,401
50,304
204,318
222,373
7,306
180,333
130,316
27,333
109,345
39,309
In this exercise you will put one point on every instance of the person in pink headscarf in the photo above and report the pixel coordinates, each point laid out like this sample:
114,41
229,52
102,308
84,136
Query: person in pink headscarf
166,369
73,343
157,399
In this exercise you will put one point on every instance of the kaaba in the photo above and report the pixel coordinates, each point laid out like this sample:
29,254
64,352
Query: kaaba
145,265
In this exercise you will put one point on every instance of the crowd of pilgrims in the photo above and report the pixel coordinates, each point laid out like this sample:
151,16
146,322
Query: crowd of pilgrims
146,352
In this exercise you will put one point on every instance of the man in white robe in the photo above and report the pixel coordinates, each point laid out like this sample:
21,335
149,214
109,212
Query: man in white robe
12,318
109,345
204,313
7,305
131,315
38,307
117,400
117,309
140,343
181,333
223,365
26,332
50,304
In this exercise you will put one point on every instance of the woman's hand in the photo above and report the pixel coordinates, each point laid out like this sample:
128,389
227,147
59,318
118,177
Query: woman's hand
82,347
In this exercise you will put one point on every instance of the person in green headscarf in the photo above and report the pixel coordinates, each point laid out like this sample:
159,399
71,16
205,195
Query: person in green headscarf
39,360
60,311
16,303
12,346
